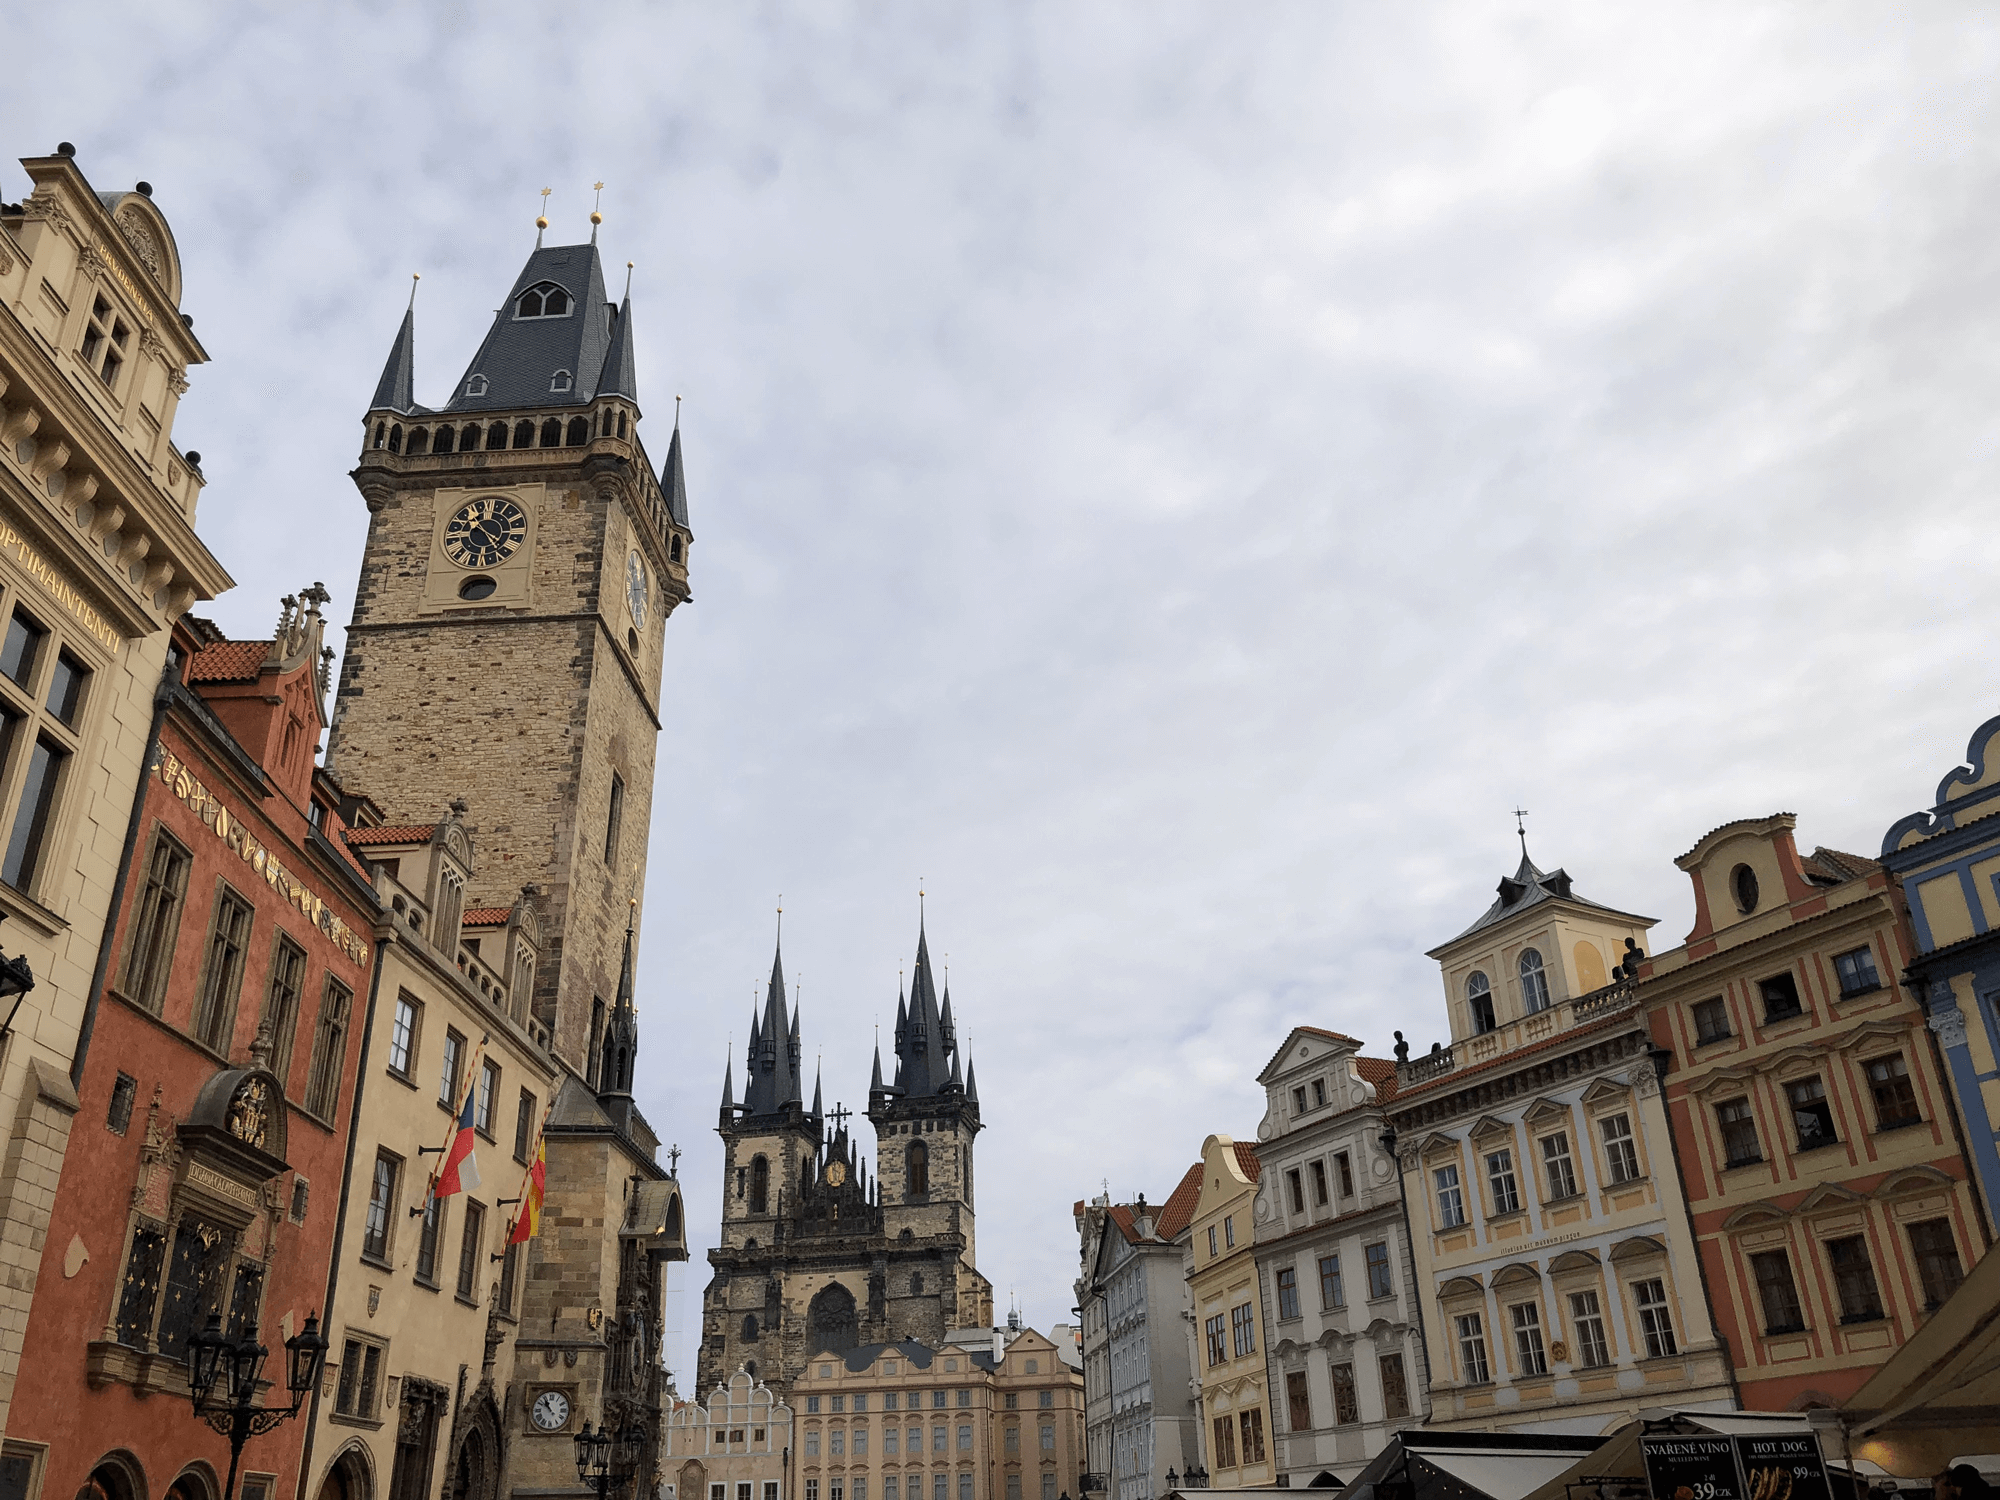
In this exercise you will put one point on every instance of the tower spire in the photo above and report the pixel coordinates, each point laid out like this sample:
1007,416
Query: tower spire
395,390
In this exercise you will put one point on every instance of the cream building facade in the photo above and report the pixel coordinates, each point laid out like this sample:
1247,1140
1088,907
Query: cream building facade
737,1447
426,1303
989,1416
98,556
1228,1321
1335,1272
1551,1239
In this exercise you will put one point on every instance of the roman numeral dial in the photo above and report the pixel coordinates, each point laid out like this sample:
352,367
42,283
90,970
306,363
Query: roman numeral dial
485,533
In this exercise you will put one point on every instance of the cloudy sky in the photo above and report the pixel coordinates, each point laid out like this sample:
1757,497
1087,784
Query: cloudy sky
1168,477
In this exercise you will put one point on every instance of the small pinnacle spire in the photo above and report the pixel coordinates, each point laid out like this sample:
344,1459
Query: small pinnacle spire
816,1111
971,1082
728,1079
875,1081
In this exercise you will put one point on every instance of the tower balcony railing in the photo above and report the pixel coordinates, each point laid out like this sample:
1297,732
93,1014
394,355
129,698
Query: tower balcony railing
1519,1031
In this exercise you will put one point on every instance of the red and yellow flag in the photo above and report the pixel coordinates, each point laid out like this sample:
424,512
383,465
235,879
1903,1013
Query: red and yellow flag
528,1223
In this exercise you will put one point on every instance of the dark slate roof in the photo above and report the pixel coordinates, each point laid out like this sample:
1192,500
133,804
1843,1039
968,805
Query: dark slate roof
1531,886
862,1356
673,483
520,356
621,376
395,390
772,1079
926,1050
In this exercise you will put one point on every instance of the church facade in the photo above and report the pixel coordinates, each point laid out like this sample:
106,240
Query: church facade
817,1253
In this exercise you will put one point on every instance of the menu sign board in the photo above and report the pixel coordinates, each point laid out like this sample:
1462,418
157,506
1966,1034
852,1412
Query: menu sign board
1692,1468
1787,1467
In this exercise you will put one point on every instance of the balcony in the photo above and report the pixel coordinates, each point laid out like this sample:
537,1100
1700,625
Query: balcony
1520,1031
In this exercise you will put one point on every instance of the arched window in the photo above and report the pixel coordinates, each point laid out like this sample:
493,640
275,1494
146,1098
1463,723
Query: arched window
560,381
749,1328
916,1283
524,434
444,441
917,1171
476,386
621,424
1534,982
760,1186
420,439
381,433
468,440
552,433
396,438
677,549
544,300
831,1324
496,435
1479,996
579,432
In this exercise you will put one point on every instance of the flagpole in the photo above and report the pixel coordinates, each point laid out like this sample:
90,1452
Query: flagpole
443,1152
528,1172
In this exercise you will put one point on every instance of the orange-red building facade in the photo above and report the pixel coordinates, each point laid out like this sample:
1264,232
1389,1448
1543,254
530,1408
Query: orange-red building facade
1818,1147
205,1166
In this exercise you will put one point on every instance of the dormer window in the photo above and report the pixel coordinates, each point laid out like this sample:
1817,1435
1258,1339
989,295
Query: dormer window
476,386
544,301
560,381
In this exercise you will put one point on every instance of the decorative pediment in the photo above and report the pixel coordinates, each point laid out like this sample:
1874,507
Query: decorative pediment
1437,1143
1605,1089
1917,1179
1385,1334
1545,1112
1515,1274
1461,1286
1754,1216
1333,1340
1639,1247
1829,1195
1574,1260
1794,1062
1875,1034
1730,1080
1488,1128
233,1142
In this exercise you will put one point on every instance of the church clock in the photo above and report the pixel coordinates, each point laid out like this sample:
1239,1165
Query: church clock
484,533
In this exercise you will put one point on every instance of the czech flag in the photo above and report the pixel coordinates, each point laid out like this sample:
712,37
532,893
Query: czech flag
460,1172
529,1222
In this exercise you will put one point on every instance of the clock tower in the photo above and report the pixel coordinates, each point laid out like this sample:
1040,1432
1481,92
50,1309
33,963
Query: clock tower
523,555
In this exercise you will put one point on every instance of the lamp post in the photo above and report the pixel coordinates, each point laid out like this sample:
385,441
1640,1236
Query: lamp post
223,1376
606,1461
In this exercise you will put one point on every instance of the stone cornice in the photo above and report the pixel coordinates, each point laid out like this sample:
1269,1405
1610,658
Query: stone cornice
1537,1075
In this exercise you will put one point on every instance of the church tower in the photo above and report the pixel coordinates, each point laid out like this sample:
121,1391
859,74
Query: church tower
523,555
816,1254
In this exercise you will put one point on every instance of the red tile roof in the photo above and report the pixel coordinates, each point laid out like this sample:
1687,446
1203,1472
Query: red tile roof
487,916
1178,1211
1246,1158
393,833
1839,865
229,661
1380,1071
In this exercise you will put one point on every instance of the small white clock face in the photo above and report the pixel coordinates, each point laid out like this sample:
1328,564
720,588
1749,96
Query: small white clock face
551,1411
485,533
636,590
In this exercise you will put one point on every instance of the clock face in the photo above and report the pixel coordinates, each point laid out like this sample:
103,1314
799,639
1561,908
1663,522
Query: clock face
837,1173
485,533
551,1411
635,588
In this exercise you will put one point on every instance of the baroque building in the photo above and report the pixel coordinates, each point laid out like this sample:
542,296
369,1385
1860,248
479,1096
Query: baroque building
1139,1408
1226,1327
1334,1265
98,558
1832,1204
816,1254
1553,1252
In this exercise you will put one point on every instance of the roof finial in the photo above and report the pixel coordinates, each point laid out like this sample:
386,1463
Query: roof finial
542,219
596,217
415,277
920,903
677,414
628,281
781,919
1521,829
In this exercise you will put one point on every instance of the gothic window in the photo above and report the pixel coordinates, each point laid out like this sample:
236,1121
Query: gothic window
621,424
677,549
420,438
1479,996
396,438
445,436
750,1328
760,1188
496,435
596,1042
545,300
1534,981
831,1325
916,1283
579,430
552,428
613,817
381,434
524,434
917,1179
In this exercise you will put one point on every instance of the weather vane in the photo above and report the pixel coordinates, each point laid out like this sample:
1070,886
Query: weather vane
596,217
542,219
1521,829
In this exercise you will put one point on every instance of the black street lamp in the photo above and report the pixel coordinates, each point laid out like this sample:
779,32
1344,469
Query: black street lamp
605,1460
223,1378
